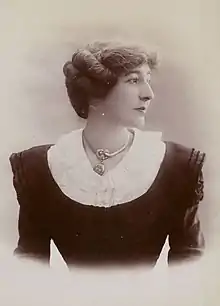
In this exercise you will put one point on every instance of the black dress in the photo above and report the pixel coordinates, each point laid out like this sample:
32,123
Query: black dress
134,232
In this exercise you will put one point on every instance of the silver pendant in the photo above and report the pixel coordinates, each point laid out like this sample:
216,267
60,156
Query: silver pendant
99,169
102,154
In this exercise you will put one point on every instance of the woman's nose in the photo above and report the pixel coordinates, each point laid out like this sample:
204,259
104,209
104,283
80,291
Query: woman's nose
146,92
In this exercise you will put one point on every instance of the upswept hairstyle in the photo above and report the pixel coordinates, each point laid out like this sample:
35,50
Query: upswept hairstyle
95,69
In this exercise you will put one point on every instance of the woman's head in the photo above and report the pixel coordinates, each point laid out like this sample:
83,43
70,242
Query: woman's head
110,77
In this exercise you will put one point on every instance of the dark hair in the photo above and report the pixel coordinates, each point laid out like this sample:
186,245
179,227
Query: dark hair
95,69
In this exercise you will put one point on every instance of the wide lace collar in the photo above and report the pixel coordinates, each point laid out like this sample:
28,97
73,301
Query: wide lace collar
132,177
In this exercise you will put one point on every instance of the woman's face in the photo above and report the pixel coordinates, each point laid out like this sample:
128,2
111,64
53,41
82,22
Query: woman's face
128,101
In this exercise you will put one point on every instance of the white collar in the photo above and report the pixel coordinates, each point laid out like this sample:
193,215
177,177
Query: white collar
132,177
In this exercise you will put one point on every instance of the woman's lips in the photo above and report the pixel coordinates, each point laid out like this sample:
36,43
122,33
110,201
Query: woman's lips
141,109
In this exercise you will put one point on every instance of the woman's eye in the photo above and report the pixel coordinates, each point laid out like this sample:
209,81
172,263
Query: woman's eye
133,81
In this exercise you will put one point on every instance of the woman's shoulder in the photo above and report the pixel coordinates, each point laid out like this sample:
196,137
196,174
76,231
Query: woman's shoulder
176,152
185,165
28,156
28,165
185,155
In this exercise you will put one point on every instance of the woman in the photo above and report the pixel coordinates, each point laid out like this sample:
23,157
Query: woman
110,192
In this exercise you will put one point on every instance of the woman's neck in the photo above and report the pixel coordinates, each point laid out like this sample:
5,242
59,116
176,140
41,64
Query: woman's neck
103,133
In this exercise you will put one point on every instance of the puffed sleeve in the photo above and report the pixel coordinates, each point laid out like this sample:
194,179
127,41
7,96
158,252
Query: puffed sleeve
34,240
186,239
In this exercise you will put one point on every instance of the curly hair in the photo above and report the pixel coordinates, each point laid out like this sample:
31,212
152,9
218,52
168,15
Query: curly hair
95,69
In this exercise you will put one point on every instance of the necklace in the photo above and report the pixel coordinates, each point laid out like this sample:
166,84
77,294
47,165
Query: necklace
103,154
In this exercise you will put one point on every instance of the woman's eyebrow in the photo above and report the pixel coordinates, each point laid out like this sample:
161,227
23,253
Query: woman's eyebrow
136,71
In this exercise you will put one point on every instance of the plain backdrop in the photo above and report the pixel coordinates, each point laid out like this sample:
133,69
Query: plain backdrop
37,37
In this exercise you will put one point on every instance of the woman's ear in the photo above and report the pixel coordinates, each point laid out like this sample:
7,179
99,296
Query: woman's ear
92,107
93,103
97,106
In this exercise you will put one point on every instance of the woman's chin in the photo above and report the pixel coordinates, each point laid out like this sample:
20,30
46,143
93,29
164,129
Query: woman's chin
138,123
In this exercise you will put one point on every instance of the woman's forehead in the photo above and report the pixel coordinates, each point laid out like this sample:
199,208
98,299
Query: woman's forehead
143,70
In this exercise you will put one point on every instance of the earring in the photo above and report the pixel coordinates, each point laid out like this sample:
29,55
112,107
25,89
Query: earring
103,114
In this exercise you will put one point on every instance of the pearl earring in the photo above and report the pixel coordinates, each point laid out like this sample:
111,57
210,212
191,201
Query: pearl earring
103,114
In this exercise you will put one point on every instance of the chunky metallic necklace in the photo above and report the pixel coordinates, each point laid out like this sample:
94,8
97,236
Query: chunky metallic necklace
103,154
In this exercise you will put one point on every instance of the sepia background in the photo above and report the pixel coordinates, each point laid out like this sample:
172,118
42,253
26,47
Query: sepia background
38,37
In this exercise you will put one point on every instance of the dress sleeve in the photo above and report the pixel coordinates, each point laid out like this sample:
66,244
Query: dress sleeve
34,241
186,239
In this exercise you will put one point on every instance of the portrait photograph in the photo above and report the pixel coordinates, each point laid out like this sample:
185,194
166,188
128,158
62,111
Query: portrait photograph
109,156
